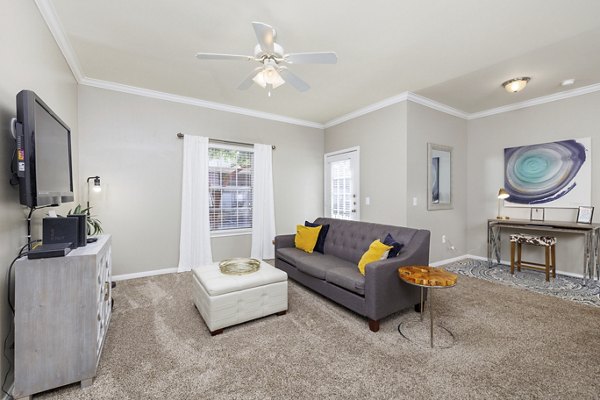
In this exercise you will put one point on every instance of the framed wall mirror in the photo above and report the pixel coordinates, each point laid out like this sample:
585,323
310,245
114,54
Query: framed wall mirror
439,177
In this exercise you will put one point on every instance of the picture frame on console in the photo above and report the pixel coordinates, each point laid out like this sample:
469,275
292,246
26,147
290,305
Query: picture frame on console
536,214
585,214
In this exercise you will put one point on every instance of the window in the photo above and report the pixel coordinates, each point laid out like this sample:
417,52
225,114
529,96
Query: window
230,187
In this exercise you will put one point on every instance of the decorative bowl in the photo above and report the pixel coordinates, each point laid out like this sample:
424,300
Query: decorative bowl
239,266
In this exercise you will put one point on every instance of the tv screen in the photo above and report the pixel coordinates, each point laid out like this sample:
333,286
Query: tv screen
43,155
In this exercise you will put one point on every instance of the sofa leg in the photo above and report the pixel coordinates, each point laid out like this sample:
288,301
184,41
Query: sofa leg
373,325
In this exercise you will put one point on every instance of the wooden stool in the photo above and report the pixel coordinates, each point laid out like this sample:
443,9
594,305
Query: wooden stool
549,242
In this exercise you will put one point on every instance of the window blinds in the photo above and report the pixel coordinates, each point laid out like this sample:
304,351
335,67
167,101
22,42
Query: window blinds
230,186
341,189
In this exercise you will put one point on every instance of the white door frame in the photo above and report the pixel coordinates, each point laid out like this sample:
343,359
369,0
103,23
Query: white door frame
355,180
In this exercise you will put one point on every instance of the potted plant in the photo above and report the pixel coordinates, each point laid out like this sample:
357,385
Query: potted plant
94,226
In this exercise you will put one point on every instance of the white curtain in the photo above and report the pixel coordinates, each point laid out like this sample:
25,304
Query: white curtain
263,206
194,242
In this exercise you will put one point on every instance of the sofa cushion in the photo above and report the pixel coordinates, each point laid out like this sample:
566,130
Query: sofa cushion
350,239
396,247
318,264
377,251
291,255
348,277
322,235
306,237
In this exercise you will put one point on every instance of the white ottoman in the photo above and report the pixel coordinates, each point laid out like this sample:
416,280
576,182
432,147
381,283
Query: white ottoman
226,300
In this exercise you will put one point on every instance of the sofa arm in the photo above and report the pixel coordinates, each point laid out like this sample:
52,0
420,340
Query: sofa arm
385,292
282,241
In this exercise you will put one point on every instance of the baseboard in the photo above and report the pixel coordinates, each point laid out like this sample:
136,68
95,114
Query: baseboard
144,274
450,260
504,262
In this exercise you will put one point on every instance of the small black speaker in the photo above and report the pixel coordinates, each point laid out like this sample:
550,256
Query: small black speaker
81,227
60,230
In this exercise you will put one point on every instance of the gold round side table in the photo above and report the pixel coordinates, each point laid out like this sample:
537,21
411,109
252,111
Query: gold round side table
427,277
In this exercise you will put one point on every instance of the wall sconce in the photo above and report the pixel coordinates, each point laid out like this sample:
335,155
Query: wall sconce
97,188
502,195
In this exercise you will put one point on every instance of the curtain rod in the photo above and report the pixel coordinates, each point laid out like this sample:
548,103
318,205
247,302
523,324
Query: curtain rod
180,136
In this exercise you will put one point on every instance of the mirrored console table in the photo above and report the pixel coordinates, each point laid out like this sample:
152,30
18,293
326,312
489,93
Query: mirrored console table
589,232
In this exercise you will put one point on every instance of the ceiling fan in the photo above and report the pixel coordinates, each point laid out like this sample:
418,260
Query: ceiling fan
271,74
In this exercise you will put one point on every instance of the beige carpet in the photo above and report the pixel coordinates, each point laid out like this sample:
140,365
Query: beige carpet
511,343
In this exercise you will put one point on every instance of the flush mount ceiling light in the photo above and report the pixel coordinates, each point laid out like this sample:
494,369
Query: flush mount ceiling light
567,82
516,85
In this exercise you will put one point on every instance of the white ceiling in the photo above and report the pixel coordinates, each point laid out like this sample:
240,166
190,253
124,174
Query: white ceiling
457,53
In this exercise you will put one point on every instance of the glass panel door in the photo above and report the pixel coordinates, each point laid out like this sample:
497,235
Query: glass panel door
342,185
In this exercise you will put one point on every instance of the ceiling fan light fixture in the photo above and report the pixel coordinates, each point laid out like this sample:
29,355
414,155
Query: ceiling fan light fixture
268,76
271,74
259,79
516,85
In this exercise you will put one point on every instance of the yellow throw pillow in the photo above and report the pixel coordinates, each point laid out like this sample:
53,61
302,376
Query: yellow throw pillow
306,237
376,251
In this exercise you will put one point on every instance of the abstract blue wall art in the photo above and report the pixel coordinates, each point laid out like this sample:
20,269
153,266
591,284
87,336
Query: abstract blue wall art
556,174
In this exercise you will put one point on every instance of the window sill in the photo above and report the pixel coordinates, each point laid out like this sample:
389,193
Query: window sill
231,232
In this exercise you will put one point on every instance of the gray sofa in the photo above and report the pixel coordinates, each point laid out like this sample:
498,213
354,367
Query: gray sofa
335,274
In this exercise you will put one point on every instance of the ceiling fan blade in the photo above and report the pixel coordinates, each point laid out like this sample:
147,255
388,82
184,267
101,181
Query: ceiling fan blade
215,56
293,80
311,58
246,83
265,34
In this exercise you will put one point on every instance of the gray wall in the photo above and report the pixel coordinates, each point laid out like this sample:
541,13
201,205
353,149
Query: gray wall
381,136
426,125
130,142
31,60
576,117
393,169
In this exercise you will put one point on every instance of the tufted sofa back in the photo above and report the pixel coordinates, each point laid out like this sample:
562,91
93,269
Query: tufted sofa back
350,239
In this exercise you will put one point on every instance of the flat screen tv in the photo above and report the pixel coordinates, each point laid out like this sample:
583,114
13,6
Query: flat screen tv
43,158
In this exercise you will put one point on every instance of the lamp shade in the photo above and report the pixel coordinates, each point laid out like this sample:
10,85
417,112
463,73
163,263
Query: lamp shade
269,75
503,194
516,85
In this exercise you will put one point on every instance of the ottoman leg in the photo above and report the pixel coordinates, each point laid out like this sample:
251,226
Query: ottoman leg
217,332
280,313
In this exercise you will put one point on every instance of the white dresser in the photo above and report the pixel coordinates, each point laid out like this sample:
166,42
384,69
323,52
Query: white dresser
62,314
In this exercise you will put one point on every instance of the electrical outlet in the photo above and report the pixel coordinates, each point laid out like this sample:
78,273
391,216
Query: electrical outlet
414,201
443,238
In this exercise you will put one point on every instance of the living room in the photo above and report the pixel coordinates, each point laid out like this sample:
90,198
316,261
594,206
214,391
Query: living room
125,133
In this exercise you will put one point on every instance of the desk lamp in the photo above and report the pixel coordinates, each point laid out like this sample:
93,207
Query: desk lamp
502,195
97,188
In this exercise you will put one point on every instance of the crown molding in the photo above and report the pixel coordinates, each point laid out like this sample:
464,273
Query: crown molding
424,101
537,101
119,87
49,15
415,98
54,25
405,96
368,109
